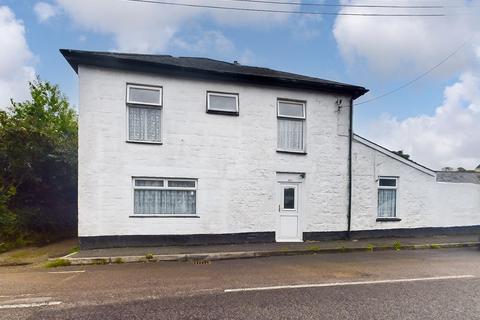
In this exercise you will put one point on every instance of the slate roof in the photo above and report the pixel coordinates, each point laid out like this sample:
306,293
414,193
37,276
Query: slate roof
204,67
458,176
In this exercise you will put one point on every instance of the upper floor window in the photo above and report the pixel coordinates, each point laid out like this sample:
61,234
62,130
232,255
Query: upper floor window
223,103
387,197
144,105
291,126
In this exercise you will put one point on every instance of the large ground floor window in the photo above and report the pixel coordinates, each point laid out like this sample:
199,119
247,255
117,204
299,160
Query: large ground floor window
164,196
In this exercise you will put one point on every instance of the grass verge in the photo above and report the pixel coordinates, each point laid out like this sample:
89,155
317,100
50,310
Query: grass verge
58,263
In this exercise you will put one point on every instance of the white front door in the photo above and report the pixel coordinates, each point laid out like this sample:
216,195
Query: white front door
288,225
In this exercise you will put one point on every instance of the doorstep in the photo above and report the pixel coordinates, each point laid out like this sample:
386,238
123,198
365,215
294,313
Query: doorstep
243,251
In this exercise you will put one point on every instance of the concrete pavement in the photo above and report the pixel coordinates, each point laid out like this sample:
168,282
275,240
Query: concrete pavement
241,251
442,284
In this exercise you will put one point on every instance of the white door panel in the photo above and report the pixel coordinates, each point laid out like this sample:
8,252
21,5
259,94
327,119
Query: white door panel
288,225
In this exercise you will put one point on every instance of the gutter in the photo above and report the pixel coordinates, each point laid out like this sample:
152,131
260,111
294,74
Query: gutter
350,186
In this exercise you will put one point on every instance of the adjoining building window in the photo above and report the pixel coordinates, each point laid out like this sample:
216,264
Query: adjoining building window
387,197
160,196
222,103
291,126
144,105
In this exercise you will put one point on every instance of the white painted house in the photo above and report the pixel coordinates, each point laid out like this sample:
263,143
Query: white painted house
193,150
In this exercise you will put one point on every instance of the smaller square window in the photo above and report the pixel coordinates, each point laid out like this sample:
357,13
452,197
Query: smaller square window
222,103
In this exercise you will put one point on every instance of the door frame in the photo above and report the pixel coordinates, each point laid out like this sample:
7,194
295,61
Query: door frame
286,179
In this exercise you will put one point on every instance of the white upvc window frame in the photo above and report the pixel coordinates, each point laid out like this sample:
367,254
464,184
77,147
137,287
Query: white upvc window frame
164,187
295,197
146,87
129,103
224,94
379,187
304,118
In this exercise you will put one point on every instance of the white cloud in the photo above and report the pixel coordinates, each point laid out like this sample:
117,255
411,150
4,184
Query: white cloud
45,11
407,44
247,57
144,27
450,137
307,27
15,59
205,42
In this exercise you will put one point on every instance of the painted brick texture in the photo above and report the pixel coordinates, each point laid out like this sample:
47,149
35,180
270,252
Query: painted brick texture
233,158
421,201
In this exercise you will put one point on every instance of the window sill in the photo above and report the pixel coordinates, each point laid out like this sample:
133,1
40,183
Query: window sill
388,219
164,216
291,152
144,142
226,113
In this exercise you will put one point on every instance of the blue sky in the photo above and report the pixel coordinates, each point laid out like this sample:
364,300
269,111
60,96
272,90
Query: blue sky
436,119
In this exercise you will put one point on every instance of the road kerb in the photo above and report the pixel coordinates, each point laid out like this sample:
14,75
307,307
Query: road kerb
252,254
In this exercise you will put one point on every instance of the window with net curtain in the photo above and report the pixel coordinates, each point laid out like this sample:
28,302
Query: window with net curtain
164,196
144,113
291,126
387,197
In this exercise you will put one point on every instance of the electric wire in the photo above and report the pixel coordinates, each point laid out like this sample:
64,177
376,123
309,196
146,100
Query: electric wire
369,14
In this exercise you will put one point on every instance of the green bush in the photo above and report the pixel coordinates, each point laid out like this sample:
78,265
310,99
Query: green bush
38,167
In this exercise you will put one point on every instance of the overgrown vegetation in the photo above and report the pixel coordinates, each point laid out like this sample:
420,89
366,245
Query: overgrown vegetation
58,263
149,256
397,245
74,249
38,168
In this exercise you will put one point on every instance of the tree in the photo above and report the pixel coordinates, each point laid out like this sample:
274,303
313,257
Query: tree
38,165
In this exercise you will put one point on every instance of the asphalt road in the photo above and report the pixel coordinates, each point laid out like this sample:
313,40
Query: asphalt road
424,284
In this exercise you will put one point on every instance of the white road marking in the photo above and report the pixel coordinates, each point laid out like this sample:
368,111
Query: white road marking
73,271
336,284
30,305
19,295
70,254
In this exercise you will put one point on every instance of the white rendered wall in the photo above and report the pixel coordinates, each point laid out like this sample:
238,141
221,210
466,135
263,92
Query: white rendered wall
457,204
233,158
421,201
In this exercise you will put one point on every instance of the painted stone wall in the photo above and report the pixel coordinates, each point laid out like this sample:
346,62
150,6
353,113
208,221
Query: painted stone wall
233,158
421,200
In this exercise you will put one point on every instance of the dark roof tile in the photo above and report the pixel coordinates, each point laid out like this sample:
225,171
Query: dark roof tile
458,176
193,66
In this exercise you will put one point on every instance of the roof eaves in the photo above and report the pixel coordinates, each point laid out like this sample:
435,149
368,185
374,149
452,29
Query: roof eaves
112,60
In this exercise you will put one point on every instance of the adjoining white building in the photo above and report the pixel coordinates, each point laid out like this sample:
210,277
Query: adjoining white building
194,151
